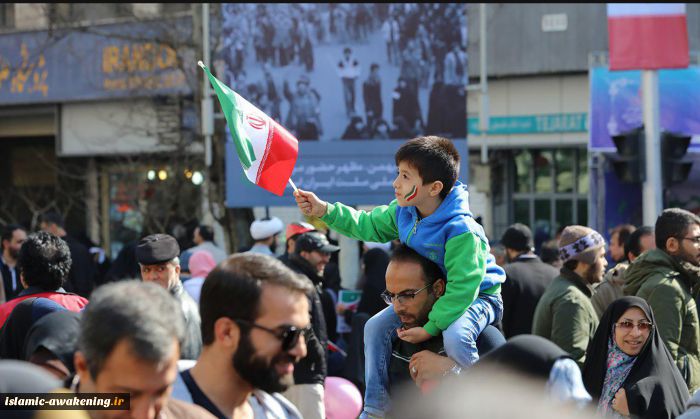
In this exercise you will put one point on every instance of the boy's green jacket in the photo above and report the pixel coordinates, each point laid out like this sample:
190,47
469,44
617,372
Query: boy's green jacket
449,237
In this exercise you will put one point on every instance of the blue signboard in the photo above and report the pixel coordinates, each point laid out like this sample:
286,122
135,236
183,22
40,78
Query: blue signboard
532,124
616,103
352,172
107,61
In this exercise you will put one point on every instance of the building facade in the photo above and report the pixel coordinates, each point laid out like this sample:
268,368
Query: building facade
98,117
538,169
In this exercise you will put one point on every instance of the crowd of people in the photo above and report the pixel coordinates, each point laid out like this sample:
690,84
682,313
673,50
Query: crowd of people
274,37
197,332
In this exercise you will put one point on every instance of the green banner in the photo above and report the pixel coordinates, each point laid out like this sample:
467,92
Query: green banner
532,124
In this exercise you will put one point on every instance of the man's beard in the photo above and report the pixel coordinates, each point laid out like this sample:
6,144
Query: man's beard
687,257
259,373
592,274
273,246
14,253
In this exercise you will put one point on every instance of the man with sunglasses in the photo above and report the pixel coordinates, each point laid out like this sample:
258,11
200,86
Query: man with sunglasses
255,316
667,278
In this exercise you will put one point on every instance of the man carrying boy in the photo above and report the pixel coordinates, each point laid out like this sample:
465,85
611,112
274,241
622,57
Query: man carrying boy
431,215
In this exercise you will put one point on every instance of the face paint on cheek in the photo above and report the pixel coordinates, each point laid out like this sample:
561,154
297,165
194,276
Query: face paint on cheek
409,196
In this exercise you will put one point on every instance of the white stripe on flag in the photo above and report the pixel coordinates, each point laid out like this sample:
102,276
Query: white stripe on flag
645,9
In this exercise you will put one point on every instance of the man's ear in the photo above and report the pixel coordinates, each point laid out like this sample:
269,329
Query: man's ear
439,287
81,367
436,187
227,332
672,245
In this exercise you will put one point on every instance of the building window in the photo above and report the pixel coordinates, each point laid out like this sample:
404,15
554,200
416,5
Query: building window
550,190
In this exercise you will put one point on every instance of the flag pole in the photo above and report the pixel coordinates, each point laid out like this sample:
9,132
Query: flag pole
293,185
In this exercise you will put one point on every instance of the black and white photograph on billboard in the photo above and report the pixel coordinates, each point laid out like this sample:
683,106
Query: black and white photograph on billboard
350,71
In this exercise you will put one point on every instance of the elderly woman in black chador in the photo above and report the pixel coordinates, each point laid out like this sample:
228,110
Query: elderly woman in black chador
629,369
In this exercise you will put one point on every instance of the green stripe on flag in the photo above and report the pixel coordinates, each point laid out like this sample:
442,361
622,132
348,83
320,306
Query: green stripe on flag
227,99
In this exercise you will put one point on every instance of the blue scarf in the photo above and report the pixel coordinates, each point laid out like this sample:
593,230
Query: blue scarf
619,366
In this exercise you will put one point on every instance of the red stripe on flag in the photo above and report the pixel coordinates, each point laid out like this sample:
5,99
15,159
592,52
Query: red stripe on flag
648,42
278,162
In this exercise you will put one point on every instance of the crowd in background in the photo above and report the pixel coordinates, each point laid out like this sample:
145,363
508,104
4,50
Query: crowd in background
624,311
271,38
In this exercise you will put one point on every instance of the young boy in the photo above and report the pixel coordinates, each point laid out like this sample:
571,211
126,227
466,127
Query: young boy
431,215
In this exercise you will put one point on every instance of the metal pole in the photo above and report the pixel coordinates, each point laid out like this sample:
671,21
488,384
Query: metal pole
652,191
483,96
207,104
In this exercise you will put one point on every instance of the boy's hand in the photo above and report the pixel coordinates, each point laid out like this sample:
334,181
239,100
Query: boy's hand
309,204
413,335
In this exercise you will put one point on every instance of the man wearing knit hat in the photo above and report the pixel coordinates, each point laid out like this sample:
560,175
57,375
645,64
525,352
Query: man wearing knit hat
565,314
527,278
264,232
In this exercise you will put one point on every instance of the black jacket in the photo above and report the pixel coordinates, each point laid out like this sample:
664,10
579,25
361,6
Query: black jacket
7,282
526,279
312,369
192,345
83,271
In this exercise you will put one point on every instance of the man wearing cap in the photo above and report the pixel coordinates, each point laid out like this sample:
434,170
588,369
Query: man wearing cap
264,232
293,231
311,254
158,259
527,278
565,314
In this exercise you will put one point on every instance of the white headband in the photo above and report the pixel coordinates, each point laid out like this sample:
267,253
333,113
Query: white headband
581,245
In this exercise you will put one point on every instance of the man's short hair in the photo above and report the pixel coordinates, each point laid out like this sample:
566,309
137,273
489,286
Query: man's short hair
347,50
44,261
431,271
9,230
373,67
52,217
143,313
233,288
634,241
673,222
435,158
206,233
623,233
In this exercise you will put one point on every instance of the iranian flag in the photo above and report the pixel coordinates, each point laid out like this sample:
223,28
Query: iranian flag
647,36
266,150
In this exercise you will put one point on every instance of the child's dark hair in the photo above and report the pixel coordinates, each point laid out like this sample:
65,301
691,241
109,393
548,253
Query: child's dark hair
435,158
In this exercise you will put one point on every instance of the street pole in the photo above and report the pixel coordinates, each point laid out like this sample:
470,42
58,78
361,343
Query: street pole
483,96
207,115
652,190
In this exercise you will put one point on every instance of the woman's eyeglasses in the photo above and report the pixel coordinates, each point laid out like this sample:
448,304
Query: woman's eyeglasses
627,326
288,335
402,297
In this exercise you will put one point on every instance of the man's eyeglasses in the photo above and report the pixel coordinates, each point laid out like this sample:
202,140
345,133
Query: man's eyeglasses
627,326
695,240
289,335
403,297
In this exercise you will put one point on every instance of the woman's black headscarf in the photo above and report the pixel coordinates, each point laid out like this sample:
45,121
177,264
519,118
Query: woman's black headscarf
654,386
528,354
57,333
23,316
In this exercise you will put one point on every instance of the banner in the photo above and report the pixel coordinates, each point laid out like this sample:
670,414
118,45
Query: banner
616,104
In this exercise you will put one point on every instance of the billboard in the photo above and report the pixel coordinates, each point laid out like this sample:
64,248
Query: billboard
351,82
349,71
616,104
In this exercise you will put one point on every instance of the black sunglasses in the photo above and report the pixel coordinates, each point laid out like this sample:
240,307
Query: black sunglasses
288,335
